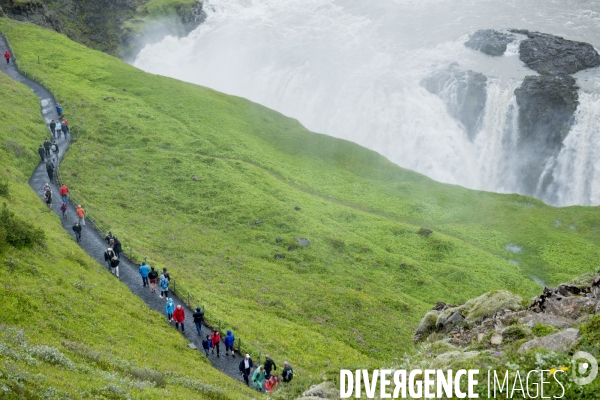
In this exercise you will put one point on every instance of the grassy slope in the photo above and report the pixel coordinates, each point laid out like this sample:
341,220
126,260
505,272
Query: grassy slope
356,294
63,299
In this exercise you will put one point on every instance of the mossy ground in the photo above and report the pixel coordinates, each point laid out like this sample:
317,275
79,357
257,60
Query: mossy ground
357,293
68,329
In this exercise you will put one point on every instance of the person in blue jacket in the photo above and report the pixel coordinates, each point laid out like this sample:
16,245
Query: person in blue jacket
164,286
206,344
229,341
144,270
169,308
58,109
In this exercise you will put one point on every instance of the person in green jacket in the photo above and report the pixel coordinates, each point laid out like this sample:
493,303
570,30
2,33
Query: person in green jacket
258,378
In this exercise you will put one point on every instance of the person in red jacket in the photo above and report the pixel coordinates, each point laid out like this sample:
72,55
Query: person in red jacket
7,56
64,191
179,317
215,339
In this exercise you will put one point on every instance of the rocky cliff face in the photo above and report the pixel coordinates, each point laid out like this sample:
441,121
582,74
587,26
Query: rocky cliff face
111,26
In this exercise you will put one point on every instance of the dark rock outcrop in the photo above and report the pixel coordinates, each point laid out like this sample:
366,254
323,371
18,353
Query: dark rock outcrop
554,55
489,41
463,92
547,104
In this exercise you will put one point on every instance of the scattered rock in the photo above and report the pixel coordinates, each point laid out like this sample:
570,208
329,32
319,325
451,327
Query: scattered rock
487,305
192,346
546,319
256,222
297,208
195,177
561,341
468,97
302,242
291,248
554,55
278,239
496,339
124,89
570,307
325,390
279,256
489,41
424,232
426,326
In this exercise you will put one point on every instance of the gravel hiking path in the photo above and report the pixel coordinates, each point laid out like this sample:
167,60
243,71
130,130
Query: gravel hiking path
92,241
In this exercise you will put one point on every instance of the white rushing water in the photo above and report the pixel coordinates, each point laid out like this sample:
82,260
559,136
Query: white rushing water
353,69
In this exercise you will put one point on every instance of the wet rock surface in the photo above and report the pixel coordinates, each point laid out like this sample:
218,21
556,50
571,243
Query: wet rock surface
489,41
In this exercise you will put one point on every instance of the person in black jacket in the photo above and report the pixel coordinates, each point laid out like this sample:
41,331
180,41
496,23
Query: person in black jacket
108,255
269,365
288,373
198,318
117,248
152,276
114,266
53,128
77,230
50,171
47,147
109,237
42,153
246,366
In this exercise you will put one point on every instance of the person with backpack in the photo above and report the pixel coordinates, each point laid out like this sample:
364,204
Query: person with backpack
77,230
42,153
53,128
229,341
179,317
144,271
48,198
47,147
109,237
108,255
63,208
80,214
206,345
54,148
7,56
58,129
164,286
117,247
215,338
65,126
152,275
269,366
114,266
288,373
245,368
50,171
170,308
64,193
166,274
198,319
59,110
258,378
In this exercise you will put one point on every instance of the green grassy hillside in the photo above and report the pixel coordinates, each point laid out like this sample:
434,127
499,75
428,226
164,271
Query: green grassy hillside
68,329
182,173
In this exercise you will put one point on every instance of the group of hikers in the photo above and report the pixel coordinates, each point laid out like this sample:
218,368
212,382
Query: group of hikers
262,377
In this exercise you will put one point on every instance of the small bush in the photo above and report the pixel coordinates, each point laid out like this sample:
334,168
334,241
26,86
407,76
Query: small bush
15,147
543,330
4,189
52,356
514,333
18,232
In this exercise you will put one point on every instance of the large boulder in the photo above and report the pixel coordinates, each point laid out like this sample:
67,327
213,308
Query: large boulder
554,55
426,326
487,305
325,390
557,321
489,41
546,108
572,307
463,93
561,341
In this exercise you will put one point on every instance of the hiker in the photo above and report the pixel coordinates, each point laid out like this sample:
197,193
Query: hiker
206,345
198,319
114,266
258,378
42,153
271,384
169,308
117,247
53,128
166,274
144,270
245,367
63,208
58,129
109,237
215,338
50,171
152,275
77,230
59,110
47,147
80,214
65,127
64,193
179,317
269,366
7,56
48,198
229,341
164,286
108,256
54,148
288,373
